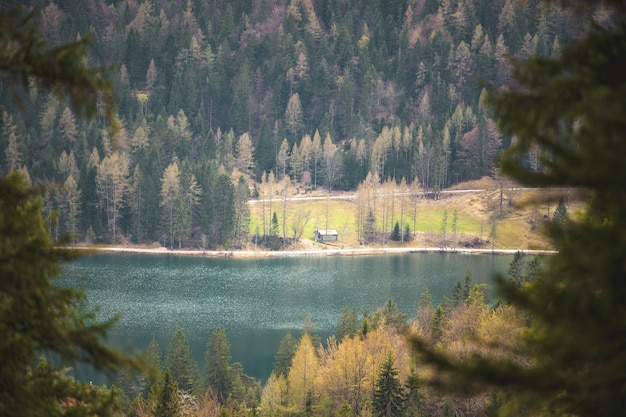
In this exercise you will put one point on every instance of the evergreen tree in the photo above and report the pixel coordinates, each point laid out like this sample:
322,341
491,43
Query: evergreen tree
218,374
571,107
516,268
437,325
179,362
286,351
560,213
457,294
168,403
38,316
347,325
396,235
388,399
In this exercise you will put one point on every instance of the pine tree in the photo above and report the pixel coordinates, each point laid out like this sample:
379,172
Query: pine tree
388,399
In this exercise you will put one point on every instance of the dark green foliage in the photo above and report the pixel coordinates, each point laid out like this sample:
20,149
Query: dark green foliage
27,59
219,374
560,213
467,284
437,324
396,235
178,360
227,65
347,325
388,400
572,108
516,268
167,402
37,316
457,294
284,356
393,317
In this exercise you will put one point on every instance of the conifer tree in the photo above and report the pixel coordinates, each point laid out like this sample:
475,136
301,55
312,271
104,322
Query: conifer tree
388,400
218,374
560,213
38,316
572,107
168,403
180,363
286,351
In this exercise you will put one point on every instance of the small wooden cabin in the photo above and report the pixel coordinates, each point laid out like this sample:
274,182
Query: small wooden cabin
326,235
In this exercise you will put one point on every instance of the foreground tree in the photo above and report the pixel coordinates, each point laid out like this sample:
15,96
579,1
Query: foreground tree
573,108
37,317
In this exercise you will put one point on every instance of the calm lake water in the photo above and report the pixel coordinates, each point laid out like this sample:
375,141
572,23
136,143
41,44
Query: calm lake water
257,301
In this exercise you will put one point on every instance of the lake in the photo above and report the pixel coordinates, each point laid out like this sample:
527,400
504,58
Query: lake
257,301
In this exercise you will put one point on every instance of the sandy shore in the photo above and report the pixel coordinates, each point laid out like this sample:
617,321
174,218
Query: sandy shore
317,252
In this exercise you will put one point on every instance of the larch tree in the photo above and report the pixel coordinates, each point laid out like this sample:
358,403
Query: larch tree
67,127
293,116
112,181
316,155
244,159
12,154
170,190
282,159
71,206
302,374
331,162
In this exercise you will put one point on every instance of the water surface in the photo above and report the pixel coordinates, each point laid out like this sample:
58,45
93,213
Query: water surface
257,301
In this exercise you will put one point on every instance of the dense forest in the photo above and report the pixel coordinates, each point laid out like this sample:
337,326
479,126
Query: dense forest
218,98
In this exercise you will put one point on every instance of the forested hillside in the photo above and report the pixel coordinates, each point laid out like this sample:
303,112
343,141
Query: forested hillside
217,97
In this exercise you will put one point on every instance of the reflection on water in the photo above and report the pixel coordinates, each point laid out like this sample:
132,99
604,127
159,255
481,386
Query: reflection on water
257,301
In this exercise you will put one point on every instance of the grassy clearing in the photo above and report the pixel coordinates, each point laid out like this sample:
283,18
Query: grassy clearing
513,211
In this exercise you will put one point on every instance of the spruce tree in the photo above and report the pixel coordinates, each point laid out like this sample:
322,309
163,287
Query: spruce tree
346,327
286,350
388,400
218,374
37,316
572,107
560,213
180,363
168,404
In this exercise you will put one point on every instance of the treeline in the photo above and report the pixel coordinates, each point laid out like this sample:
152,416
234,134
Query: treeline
215,95
365,368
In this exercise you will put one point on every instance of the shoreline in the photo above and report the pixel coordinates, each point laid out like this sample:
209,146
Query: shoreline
248,254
